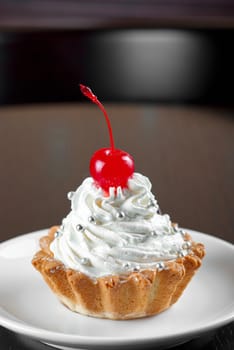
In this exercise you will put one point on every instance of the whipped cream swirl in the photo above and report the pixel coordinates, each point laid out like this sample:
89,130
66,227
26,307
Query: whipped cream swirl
116,234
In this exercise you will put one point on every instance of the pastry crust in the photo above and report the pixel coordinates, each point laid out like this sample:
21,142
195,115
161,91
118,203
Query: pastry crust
137,294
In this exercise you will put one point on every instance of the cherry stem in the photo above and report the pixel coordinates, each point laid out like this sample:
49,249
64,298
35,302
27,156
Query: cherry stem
86,91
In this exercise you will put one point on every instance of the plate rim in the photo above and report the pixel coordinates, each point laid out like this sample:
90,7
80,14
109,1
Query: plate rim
67,339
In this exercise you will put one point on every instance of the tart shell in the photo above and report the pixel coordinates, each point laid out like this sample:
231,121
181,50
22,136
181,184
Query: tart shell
134,295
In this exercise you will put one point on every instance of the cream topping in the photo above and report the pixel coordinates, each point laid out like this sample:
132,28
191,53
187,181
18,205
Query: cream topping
116,234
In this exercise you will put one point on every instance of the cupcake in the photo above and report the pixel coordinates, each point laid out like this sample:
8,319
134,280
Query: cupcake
115,255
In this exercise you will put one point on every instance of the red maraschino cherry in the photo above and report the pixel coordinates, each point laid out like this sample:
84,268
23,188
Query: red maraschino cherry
109,167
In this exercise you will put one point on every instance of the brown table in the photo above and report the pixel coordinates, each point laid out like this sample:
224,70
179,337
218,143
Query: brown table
187,152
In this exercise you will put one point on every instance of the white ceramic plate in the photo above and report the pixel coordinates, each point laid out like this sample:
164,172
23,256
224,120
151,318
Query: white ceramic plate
28,307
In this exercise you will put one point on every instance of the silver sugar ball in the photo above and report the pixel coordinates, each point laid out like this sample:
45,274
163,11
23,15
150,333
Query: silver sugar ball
186,245
91,219
70,195
181,254
84,261
126,265
57,234
136,268
153,233
62,227
120,215
160,266
182,232
79,227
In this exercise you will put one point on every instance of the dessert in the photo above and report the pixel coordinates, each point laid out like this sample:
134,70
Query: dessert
115,255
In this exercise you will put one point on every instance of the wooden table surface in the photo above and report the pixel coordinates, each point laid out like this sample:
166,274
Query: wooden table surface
187,152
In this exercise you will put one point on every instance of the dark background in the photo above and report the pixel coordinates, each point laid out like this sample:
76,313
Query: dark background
156,65
163,51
